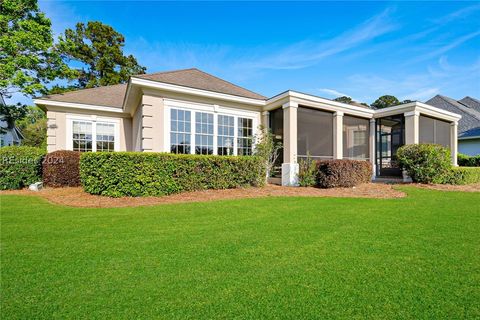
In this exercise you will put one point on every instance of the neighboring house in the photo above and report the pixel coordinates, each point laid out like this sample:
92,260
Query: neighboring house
468,126
10,135
190,111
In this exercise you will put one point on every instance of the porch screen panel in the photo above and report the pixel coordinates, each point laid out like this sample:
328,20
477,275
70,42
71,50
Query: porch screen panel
427,130
355,137
434,131
442,133
315,133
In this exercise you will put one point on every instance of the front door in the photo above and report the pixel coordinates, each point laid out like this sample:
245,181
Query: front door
390,137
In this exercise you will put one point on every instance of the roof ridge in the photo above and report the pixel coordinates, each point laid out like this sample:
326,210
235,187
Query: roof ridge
164,72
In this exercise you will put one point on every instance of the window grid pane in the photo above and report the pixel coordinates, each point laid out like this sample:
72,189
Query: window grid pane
244,138
82,136
180,129
203,133
226,137
105,137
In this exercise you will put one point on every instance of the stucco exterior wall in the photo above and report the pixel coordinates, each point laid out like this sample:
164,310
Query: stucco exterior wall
152,123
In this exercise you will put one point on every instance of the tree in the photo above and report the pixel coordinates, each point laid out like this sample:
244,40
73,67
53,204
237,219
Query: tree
343,99
27,59
33,126
407,101
11,113
385,101
99,48
267,148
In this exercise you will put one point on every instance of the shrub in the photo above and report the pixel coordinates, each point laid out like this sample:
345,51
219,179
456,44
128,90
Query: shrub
343,173
119,174
464,175
425,163
61,169
307,173
468,161
20,166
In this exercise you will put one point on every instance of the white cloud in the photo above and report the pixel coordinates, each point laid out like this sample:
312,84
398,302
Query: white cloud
334,93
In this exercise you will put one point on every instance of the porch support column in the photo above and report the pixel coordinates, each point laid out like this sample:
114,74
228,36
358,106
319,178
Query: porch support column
290,165
266,119
412,127
373,145
454,142
338,135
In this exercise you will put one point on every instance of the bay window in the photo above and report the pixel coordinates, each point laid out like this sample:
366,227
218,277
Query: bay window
203,132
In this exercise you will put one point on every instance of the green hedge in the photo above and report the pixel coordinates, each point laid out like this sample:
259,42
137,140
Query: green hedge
425,163
464,175
118,174
468,161
20,166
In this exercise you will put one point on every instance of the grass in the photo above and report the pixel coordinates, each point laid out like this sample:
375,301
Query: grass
293,258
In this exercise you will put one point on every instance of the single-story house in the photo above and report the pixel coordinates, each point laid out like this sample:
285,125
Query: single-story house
469,124
10,134
190,111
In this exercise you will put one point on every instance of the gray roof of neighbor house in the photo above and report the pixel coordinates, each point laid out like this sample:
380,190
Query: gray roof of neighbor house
112,96
469,124
471,102
198,79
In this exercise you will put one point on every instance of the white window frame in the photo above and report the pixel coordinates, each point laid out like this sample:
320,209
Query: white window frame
208,108
94,120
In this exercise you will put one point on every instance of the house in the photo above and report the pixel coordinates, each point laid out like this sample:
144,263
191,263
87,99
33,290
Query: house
468,126
190,111
10,135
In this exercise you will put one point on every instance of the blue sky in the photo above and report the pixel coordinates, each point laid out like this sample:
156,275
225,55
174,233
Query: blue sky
412,50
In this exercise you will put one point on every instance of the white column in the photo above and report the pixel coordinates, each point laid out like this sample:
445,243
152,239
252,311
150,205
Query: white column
373,144
290,165
412,127
266,119
338,135
454,142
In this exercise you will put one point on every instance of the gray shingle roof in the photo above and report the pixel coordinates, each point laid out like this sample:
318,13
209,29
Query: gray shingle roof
198,79
107,96
112,96
471,103
469,124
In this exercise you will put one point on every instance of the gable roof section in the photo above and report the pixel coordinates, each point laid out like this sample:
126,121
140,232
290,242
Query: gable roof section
471,103
106,96
469,124
198,79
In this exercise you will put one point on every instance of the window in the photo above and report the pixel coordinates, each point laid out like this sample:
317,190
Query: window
203,133
244,141
180,130
226,131
105,137
355,137
93,136
82,136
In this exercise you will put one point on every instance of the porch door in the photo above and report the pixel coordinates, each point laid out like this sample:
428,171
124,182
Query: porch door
390,136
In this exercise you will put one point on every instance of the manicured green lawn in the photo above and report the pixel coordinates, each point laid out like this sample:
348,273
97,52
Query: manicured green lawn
294,258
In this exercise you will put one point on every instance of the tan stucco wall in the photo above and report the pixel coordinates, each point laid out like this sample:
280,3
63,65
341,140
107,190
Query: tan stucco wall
57,127
152,123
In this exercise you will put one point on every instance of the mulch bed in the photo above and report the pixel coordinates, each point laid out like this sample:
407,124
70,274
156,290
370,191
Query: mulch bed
76,197
448,187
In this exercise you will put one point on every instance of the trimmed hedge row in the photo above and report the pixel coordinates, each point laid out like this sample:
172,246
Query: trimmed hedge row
20,166
334,173
61,169
464,175
118,174
468,161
